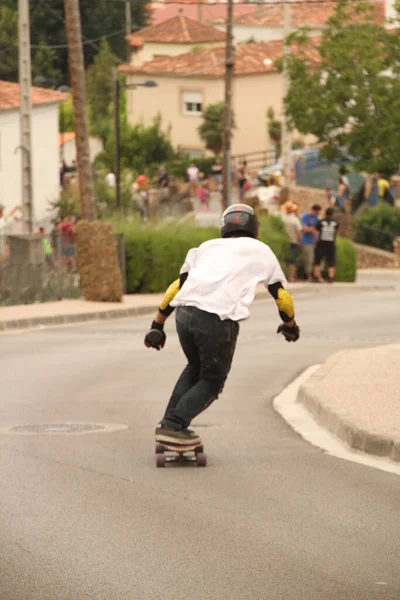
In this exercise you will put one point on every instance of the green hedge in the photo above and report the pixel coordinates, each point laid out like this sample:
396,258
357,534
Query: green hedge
154,255
346,260
377,227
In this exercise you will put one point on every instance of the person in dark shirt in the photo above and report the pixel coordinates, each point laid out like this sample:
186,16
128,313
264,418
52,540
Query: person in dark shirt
326,246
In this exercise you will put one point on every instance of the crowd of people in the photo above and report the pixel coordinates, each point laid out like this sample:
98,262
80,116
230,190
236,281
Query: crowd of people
311,237
59,245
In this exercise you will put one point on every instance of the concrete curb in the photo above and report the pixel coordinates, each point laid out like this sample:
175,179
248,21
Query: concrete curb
334,417
121,312
101,315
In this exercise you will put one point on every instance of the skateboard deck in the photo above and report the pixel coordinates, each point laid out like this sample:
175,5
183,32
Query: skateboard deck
176,453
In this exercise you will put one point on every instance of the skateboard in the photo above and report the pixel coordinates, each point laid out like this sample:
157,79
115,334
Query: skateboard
169,453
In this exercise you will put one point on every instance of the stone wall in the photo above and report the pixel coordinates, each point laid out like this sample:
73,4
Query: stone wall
306,197
370,258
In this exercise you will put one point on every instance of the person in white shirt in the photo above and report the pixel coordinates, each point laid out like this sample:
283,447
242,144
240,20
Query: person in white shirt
193,174
110,179
216,286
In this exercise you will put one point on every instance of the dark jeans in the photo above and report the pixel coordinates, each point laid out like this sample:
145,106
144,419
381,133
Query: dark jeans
209,345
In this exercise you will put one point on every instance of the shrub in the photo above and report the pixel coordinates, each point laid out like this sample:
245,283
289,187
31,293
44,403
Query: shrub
346,260
154,255
377,227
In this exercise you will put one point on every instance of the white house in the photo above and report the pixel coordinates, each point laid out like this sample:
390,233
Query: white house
67,145
45,151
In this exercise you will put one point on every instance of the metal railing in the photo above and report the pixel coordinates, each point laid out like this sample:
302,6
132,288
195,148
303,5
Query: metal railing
37,268
257,160
371,236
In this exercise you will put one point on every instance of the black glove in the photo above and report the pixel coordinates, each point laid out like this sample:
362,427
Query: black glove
291,334
156,337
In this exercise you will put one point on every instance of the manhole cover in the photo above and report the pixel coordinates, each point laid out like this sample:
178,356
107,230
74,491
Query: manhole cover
62,428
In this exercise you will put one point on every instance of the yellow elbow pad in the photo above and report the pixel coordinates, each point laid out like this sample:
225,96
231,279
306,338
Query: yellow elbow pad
170,294
285,304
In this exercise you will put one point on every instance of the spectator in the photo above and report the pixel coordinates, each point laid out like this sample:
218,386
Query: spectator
384,191
193,176
111,179
163,182
216,171
343,192
48,252
293,229
204,195
243,180
326,246
330,196
67,226
309,222
140,200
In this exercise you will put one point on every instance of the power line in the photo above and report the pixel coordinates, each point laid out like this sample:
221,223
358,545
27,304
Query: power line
59,46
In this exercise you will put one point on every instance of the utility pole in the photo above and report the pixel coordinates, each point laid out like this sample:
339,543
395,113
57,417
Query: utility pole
199,10
128,25
286,136
77,76
25,113
116,138
229,64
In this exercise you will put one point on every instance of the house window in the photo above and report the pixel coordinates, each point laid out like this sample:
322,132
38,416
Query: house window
192,103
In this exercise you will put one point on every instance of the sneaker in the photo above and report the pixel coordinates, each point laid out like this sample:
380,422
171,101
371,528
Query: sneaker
173,436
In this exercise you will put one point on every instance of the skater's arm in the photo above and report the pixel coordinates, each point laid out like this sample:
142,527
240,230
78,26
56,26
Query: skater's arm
165,307
284,301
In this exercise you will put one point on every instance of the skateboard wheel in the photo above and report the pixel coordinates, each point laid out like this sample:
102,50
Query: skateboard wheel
199,450
201,459
160,460
160,449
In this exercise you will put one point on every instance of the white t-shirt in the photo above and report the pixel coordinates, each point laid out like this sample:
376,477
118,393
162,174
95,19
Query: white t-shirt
224,273
111,179
193,173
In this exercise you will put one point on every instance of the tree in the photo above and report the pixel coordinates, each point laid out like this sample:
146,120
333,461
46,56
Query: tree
142,147
99,90
99,18
43,61
347,92
8,44
65,116
274,130
211,131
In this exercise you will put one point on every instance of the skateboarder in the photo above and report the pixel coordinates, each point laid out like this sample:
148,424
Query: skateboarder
216,285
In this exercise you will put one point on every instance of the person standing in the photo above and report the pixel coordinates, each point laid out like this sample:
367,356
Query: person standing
243,180
326,246
193,174
110,179
309,222
216,171
163,182
293,229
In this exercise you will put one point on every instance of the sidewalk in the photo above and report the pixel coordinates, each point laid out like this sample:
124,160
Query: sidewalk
355,395
76,311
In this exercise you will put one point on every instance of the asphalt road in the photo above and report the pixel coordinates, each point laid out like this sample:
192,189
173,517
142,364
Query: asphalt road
270,518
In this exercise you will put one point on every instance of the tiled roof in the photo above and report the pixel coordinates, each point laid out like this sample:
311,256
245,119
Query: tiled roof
209,12
178,30
313,14
210,62
65,137
9,95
